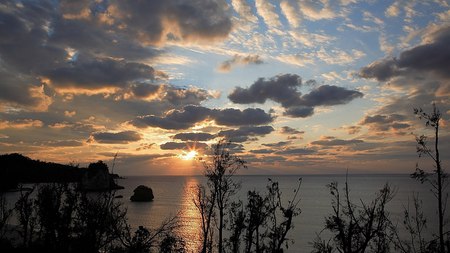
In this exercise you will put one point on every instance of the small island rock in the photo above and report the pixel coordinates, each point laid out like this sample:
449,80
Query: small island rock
142,193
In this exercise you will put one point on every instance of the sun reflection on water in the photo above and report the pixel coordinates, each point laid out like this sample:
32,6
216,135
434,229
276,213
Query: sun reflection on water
190,217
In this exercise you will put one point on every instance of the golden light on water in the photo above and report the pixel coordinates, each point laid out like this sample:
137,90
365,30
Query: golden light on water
190,216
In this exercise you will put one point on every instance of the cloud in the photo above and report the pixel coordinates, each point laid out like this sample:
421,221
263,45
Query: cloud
145,90
98,73
156,21
236,117
268,12
316,10
336,142
194,136
262,151
227,65
339,57
310,39
299,111
183,145
393,10
289,9
283,89
296,151
277,144
433,57
245,133
327,95
94,44
22,91
290,130
185,96
64,143
352,129
20,124
145,146
123,137
190,115
244,10
382,123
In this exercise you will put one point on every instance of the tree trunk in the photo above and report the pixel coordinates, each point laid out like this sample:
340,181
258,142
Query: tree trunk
439,175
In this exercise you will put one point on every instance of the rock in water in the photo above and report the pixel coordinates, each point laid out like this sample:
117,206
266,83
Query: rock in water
142,193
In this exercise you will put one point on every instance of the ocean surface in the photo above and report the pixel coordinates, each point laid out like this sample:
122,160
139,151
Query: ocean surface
174,197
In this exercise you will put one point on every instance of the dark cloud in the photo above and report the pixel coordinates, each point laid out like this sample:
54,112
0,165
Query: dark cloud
277,144
96,44
145,90
336,142
190,115
245,133
194,136
381,122
381,70
183,145
327,95
90,37
116,138
432,57
156,21
176,119
283,89
239,59
262,151
185,96
236,117
290,130
299,111
99,73
22,91
296,151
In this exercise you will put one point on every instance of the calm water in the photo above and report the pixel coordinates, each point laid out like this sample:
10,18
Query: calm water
174,196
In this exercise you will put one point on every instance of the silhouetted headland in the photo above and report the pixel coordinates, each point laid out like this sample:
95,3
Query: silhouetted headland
17,168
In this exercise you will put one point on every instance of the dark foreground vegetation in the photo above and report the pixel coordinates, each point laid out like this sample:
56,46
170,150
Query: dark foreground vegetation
57,217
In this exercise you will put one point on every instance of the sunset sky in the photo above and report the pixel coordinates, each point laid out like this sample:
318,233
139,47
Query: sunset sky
297,86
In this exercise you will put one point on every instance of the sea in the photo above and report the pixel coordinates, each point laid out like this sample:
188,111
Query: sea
174,197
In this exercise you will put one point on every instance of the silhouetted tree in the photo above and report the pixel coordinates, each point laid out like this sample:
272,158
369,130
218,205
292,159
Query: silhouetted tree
26,215
236,226
279,229
415,224
56,206
257,213
357,229
98,220
144,239
265,221
438,179
219,172
205,203
5,215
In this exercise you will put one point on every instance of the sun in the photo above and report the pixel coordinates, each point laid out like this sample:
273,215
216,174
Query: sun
189,155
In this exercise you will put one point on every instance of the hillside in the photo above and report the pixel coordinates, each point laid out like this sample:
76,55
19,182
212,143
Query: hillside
16,168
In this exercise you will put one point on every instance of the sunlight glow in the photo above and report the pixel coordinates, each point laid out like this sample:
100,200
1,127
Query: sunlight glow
189,155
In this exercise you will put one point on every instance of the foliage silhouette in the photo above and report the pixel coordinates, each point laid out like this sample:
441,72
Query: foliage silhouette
357,229
438,178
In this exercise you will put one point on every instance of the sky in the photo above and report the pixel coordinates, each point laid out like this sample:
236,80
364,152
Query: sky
296,86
